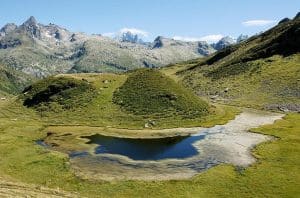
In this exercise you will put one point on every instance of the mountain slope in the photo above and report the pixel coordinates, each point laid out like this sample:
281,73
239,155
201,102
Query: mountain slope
106,55
13,82
261,72
283,39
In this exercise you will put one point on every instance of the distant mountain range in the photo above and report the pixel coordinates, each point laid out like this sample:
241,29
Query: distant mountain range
32,51
42,50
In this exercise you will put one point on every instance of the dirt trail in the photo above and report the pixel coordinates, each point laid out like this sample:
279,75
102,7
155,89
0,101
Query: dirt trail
16,190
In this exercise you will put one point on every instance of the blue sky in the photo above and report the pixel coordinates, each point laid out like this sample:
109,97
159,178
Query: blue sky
185,19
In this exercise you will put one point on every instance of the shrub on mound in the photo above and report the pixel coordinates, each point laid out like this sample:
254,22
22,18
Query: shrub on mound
56,93
148,92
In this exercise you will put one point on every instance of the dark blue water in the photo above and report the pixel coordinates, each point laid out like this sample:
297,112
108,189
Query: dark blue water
42,143
146,149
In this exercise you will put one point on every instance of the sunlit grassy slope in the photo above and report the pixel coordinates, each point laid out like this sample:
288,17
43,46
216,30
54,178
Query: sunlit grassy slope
148,92
261,72
270,81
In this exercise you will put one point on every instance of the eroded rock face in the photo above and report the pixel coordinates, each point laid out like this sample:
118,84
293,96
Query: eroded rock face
158,42
4,44
204,48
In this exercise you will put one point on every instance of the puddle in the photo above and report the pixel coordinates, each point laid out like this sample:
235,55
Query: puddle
146,149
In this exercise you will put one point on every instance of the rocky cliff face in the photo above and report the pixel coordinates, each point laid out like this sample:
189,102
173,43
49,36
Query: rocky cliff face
130,37
7,29
224,42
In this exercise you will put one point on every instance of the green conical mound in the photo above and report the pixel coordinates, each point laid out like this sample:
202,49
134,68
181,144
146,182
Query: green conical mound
56,93
148,92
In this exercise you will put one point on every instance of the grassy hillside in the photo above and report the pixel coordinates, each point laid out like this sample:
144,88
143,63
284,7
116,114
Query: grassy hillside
261,72
283,39
55,94
87,99
270,83
148,92
12,81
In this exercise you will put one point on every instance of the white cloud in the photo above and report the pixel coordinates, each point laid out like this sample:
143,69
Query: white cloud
251,23
109,34
212,38
139,32
182,38
135,31
209,38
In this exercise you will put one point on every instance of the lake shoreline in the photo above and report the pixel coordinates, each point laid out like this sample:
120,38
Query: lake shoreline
230,143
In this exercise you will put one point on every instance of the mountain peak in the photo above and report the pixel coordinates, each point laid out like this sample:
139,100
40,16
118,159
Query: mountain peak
241,38
224,42
227,38
31,27
297,16
161,41
31,21
284,20
8,27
